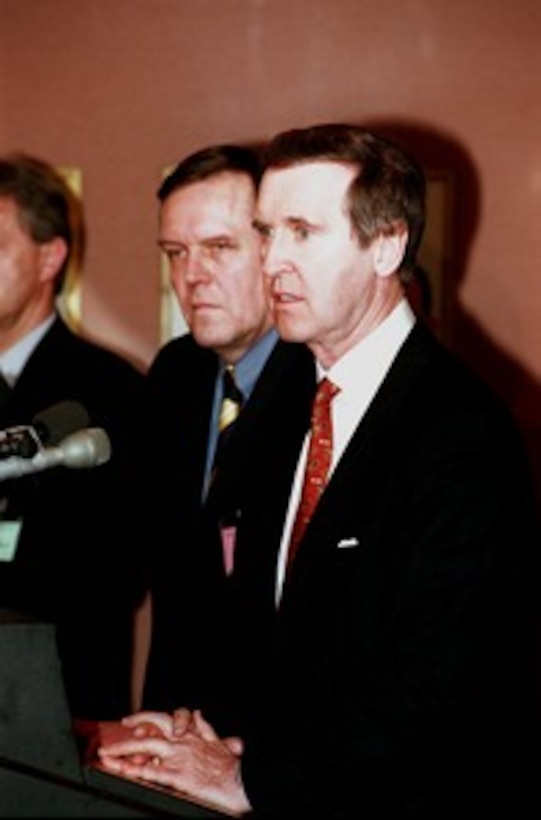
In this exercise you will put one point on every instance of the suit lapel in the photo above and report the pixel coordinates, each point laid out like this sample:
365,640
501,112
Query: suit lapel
375,442
267,441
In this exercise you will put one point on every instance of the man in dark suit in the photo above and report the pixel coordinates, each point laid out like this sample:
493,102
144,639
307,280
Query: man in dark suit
60,558
206,232
399,682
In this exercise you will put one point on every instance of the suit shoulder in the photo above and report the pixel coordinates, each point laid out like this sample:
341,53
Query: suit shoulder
107,361
446,385
73,354
183,353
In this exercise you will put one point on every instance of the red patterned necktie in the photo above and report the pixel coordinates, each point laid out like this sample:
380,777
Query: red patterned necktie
318,461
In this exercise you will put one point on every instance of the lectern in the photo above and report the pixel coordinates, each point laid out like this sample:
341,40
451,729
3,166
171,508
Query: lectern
41,773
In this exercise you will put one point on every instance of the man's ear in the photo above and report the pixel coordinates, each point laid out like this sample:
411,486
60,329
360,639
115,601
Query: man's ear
53,255
389,250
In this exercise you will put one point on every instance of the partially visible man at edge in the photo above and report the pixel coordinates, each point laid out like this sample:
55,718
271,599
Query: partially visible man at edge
400,679
61,559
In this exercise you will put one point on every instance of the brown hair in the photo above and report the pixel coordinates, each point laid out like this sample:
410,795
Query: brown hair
390,186
47,208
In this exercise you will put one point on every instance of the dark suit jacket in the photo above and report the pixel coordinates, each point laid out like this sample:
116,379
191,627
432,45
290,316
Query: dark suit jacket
189,661
395,680
70,568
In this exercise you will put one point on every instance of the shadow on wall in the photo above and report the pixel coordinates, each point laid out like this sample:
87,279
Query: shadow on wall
520,389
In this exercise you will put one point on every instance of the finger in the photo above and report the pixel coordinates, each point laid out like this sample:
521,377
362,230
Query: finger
137,717
162,720
128,767
139,759
150,769
150,747
182,721
202,727
114,764
235,745
148,729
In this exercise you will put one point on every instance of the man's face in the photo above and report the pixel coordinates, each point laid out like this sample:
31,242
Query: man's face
320,280
22,271
214,254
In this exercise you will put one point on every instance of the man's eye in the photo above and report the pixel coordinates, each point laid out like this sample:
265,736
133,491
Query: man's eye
174,253
301,232
219,248
264,231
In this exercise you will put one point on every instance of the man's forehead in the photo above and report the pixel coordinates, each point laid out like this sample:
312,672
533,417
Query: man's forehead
225,189
8,206
218,207
308,185
12,217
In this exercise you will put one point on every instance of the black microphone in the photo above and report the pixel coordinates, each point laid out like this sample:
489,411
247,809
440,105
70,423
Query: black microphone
50,426
59,420
80,450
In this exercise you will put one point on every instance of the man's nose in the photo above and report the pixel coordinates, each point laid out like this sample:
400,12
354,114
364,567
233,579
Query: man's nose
274,256
195,267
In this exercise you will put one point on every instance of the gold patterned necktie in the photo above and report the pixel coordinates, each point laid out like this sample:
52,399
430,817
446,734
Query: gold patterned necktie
232,401
318,461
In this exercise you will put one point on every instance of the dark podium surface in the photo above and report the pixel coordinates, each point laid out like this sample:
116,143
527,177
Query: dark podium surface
41,774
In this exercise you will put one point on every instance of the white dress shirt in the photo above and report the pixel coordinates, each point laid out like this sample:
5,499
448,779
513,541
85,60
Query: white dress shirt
358,374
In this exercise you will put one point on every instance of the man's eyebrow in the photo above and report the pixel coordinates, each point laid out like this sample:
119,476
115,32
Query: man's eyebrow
207,241
302,222
293,221
263,228
168,243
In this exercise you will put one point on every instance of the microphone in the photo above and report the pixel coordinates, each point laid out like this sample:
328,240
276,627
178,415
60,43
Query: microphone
59,420
50,426
80,450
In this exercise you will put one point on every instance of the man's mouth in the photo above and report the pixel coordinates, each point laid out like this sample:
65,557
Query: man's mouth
283,298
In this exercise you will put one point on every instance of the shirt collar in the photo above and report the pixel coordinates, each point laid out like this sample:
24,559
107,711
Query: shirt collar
248,369
12,361
373,355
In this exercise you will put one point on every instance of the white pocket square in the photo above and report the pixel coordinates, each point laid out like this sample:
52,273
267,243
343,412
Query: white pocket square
345,543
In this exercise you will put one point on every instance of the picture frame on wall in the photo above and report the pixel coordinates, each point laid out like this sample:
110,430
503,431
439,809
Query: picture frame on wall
69,301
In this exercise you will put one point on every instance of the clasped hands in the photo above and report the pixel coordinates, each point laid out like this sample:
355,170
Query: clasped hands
181,751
